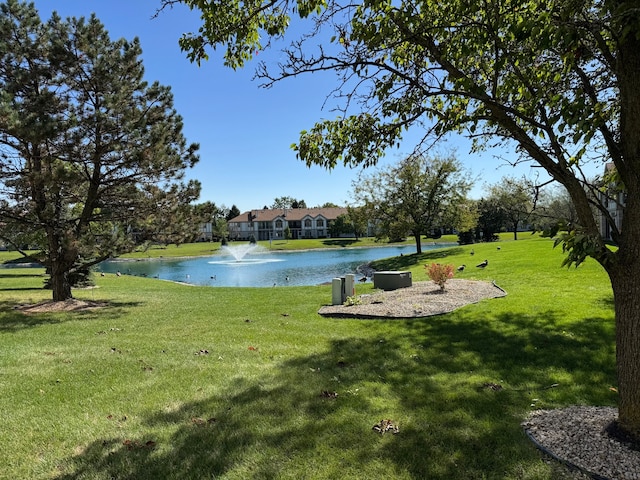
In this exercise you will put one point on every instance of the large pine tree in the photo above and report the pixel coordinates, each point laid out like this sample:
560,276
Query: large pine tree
85,141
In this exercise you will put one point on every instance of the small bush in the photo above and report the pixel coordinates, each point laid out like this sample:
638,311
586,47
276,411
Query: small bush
465,238
439,273
352,300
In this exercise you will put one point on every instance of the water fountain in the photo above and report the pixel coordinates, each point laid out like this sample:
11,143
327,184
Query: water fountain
239,251
240,255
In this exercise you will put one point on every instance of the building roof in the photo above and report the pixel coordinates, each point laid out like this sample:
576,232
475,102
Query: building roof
291,214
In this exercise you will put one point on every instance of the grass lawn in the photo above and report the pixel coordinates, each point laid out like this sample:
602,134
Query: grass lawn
204,249
208,248
180,382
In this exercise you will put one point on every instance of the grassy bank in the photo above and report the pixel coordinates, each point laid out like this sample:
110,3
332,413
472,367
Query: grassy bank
202,249
180,382
208,248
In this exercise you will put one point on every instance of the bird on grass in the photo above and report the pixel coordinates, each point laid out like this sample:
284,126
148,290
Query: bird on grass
472,252
483,264
363,279
461,268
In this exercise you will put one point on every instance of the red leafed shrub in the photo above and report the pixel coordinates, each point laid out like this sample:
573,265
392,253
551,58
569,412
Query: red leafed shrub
439,273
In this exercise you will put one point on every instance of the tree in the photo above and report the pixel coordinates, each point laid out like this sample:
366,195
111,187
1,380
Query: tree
359,220
514,198
466,220
554,212
557,79
287,203
232,213
415,196
341,225
171,218
209,212
220,229
491,219
84,141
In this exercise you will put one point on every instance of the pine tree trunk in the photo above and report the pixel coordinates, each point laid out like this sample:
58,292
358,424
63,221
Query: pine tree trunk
61,260
60,283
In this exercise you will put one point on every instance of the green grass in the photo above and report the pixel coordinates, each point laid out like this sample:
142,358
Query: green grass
207,248
83,393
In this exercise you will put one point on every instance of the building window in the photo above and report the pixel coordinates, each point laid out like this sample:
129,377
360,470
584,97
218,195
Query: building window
320,223
278,223
307,223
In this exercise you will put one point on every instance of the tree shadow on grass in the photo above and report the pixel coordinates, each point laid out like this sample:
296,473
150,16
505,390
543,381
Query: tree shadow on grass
14,320
21,275
22,289
430,376
340,242
406,261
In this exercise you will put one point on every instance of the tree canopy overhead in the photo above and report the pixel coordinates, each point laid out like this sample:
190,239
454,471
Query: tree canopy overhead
560,79
89,151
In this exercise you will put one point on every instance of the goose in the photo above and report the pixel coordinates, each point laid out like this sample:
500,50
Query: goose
483,264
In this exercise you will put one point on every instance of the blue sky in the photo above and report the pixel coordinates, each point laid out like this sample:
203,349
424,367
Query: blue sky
244,131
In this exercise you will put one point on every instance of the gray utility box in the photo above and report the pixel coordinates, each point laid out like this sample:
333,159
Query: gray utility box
391,280
341,288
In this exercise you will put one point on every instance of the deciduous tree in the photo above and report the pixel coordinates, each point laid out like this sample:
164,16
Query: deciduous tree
515,200
491,219
287,203
341,225
413,197
554,212
359,219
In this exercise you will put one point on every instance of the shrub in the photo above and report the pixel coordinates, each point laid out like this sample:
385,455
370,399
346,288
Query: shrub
465,238
439,273
352,300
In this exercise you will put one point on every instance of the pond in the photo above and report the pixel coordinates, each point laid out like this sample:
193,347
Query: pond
259,267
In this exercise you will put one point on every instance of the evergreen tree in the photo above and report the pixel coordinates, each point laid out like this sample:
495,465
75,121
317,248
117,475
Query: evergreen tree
84,141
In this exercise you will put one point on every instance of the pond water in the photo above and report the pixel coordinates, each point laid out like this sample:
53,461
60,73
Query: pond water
260,267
